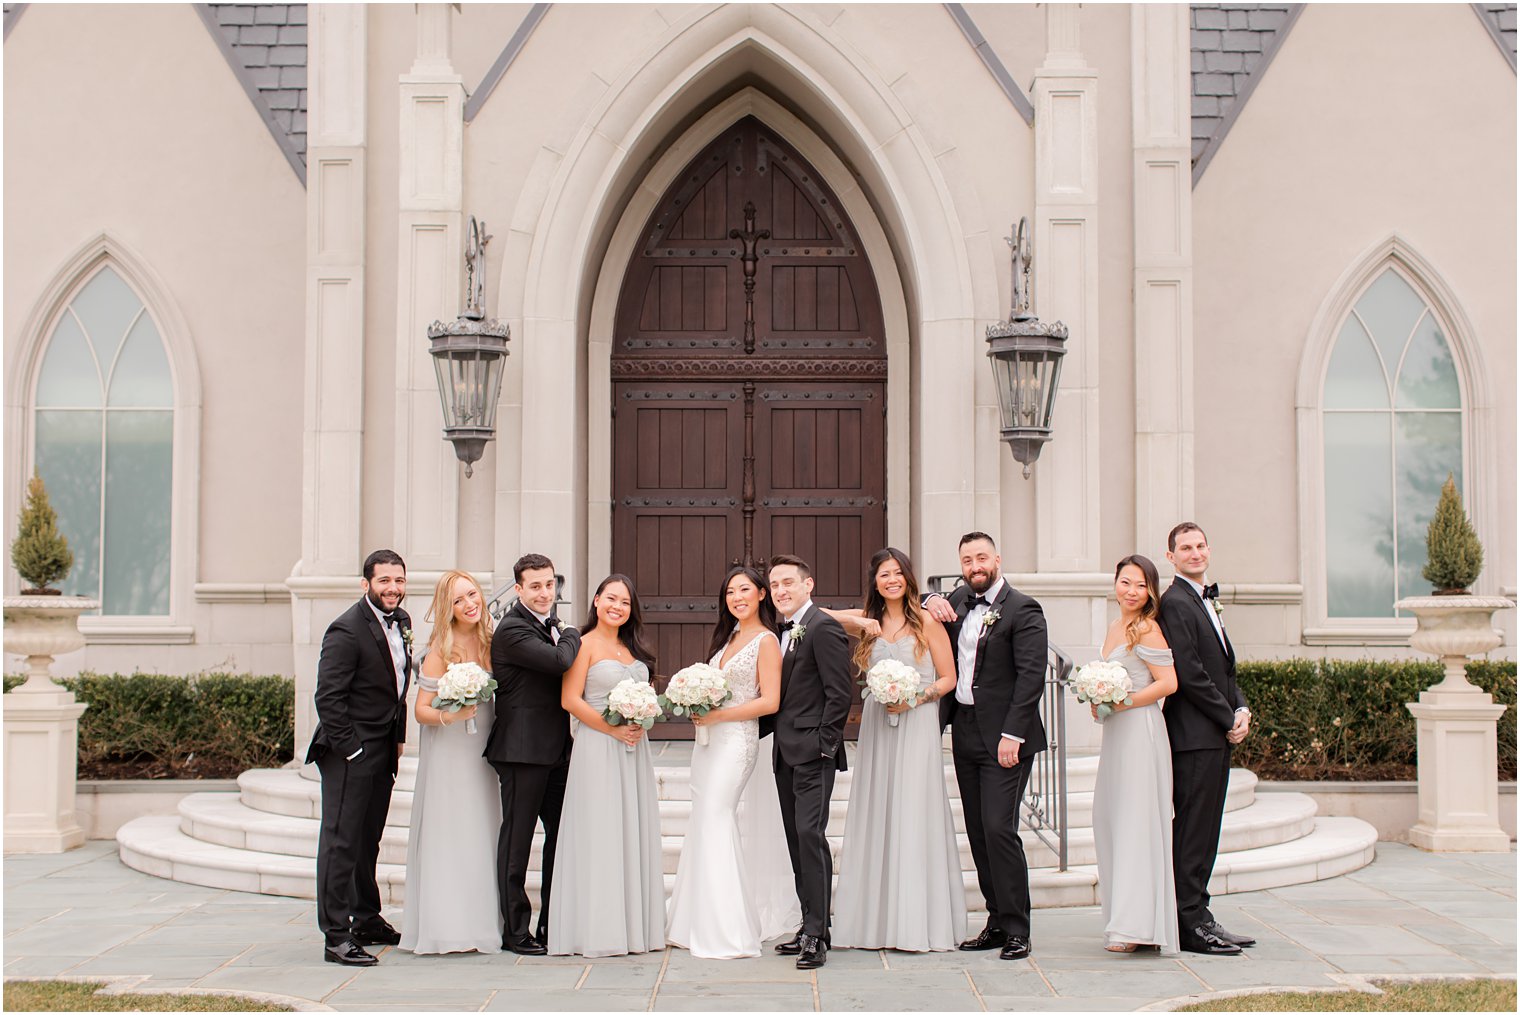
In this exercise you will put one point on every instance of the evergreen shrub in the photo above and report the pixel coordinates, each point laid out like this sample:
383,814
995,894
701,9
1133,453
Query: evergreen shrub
206,726
1344,719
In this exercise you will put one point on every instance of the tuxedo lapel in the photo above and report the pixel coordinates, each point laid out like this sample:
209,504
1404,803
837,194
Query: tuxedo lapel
1204,608
995,607
533,622
406,652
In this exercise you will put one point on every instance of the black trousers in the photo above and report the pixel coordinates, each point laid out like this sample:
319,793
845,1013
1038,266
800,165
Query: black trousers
990,798
530,794
805,791
1200,782
355,798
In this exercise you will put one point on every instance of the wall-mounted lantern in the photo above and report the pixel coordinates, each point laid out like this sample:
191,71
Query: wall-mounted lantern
470,356
1026,362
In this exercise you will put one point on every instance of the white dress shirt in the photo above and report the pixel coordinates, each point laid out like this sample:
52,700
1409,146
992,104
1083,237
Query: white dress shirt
1213,616
397,646
795,618
967,643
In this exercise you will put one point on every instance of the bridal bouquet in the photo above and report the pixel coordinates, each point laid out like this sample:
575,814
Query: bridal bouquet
632,701
463,685
891,683
696,690
1104,683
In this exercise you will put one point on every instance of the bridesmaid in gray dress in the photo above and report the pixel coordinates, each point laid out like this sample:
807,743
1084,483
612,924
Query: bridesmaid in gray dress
900,883
609,886
1132,801
450,851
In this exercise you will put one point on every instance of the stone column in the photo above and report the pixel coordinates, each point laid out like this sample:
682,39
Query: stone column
1066,242
325,581
1163,201
429,256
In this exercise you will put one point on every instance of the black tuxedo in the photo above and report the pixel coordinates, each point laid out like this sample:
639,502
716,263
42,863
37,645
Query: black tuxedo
816,692
1007,684
361,719
529,747
1198,716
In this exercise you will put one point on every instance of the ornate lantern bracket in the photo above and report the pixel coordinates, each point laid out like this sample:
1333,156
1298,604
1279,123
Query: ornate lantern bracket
469,356
1026,361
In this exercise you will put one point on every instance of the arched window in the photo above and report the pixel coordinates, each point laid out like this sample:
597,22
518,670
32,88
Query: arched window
1392,423
104,441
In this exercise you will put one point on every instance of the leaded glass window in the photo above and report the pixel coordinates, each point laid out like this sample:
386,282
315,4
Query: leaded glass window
1393,430
104,445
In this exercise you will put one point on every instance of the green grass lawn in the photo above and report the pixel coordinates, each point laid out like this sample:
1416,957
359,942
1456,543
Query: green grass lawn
52,995
1434,995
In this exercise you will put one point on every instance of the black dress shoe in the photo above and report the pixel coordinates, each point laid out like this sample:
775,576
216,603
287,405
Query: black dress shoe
791,947
1205,942
1235,939
524,946
988,939
813,952
1016,948
347,953
377,933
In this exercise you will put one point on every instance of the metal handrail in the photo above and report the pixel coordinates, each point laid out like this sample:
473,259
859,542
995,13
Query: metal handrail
1044,809
504,596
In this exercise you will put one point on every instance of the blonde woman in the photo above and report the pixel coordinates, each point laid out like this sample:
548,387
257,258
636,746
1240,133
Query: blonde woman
456,811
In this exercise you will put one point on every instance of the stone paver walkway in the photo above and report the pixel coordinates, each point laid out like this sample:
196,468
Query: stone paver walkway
83,914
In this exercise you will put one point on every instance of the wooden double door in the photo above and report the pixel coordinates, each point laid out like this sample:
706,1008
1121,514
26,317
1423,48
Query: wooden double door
749,389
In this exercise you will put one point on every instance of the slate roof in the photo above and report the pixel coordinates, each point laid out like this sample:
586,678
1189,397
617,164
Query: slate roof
1499,19
1232,45
266,45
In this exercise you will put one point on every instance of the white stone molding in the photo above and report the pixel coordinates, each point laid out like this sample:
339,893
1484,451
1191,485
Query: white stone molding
335,201
241,592
572,203
185,371
1066,244
620,250
1163,285
1479,452
429,253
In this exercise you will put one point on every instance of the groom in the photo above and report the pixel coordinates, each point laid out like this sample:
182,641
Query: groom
1204,718
529,745
995,730
816,692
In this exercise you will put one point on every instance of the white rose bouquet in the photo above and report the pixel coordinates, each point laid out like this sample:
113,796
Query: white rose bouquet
1104,683
696,690
892,683
463,685
632,701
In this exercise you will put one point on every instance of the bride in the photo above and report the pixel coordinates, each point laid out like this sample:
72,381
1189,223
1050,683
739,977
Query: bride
734,886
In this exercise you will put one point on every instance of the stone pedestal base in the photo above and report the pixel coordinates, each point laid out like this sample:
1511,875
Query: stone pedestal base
1458,781
41,743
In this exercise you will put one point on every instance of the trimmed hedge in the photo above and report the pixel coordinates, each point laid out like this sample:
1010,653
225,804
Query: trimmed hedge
1345,719
207,726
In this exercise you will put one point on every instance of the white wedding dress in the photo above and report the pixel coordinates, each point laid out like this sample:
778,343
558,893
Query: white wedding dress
734,886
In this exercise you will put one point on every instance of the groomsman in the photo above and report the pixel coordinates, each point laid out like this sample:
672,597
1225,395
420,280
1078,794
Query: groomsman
362,677
1204,718
816,693
529,745
995,730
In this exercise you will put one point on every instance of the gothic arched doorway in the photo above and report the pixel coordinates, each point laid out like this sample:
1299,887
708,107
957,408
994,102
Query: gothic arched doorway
749,374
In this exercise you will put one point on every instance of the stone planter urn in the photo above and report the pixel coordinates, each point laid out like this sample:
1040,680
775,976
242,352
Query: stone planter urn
42,726
1457,725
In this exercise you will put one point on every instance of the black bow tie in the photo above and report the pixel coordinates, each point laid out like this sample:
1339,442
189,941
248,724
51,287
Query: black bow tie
1211,591
391,620
787,625
976,601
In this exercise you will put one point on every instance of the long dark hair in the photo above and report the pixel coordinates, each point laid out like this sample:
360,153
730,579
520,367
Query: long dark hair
1152,607
876,605
727,622
631,633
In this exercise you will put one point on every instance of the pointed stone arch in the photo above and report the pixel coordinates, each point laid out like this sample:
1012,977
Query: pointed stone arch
1397,253
184,367
552,273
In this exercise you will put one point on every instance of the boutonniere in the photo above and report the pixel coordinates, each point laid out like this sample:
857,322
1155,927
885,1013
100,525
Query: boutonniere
798,632
989,618
1218,608
406,637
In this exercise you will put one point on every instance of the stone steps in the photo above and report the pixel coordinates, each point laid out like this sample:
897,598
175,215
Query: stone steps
158,846
228,820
